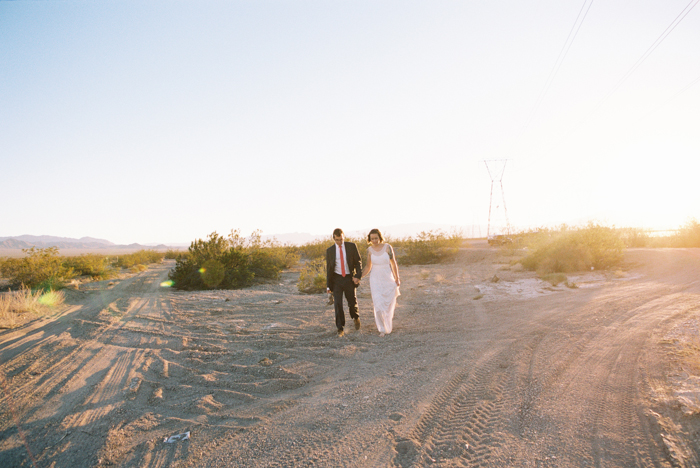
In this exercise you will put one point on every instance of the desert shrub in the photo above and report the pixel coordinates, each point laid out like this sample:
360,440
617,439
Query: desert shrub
567,250
314,250
215,263
14,304
268,258
428,247
688,235
40,268
142,257
361,243
312,279
555,278
171,254
95,266
634,237
231,262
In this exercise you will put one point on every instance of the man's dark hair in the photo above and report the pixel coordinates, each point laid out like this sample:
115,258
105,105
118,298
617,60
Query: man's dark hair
337,232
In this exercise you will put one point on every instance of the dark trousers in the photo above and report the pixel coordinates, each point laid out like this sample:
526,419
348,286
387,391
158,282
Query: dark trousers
344,286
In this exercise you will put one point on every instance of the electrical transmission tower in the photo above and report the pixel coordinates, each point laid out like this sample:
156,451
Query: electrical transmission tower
496,168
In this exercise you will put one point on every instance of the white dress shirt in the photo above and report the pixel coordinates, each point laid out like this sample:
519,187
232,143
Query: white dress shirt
337,259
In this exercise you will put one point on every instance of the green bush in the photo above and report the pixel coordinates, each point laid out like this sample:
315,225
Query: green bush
314,250
688,235
267,258
40,268
95,266
142,257
555,278
568,250
634,237
217,263
312,279
230,262
428,247
171,254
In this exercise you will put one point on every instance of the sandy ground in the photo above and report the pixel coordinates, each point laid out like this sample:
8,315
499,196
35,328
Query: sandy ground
480,371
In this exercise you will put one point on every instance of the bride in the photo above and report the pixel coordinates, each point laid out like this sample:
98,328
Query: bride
384,281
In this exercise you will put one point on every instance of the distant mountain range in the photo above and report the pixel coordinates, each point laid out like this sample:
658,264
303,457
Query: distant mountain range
42,242
296,238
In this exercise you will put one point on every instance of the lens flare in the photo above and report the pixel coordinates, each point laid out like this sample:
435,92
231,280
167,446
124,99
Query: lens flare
213,273
167,284
50,298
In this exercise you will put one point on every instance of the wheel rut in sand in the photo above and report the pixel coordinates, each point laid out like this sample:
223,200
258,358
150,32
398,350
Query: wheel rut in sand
462,422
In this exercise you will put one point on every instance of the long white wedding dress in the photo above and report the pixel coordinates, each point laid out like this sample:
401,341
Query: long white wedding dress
383,287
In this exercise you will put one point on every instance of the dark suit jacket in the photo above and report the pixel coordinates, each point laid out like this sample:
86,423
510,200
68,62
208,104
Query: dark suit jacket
354,262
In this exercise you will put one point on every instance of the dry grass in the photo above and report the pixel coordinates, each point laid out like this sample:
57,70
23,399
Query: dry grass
16,307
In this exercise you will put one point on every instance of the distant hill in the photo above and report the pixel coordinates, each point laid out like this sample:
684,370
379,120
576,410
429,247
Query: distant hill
91,243
297,238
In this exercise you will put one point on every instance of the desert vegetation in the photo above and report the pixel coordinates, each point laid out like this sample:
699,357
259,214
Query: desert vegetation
97,267
142,257
428,247
35,280
565,249
686,236
568,249
46,270
40,269
18,306
231,262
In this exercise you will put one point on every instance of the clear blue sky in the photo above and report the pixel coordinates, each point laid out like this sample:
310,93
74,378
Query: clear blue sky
164,121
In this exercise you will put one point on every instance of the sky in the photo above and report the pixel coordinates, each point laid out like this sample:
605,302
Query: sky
164,121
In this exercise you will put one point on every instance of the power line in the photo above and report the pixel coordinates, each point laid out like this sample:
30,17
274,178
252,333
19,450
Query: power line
672,98
562,55
649,51
636,65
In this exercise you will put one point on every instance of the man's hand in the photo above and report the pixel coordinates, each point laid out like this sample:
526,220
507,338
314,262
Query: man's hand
357,281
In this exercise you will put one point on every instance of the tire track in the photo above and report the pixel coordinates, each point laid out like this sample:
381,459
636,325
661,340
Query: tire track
82,378
461,424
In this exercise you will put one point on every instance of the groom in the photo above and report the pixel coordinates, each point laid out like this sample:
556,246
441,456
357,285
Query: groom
343,273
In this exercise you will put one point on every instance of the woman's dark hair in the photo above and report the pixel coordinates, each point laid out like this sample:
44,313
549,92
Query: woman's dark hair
337,232
377,232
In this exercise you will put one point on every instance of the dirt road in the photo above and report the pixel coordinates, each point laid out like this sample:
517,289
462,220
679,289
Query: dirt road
487,366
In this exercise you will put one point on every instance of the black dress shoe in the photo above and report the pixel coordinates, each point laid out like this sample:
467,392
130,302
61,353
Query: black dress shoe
357,323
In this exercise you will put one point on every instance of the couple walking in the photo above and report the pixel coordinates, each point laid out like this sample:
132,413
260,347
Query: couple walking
344,272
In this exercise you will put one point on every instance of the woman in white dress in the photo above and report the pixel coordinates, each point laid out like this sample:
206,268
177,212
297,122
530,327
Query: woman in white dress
384,280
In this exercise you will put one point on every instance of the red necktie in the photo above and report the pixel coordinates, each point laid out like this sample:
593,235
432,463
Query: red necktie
342,261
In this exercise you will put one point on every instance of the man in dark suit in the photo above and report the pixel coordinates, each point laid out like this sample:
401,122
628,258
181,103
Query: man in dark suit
343,274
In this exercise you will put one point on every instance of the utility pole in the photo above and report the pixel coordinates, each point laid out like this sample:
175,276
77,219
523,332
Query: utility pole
499,167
